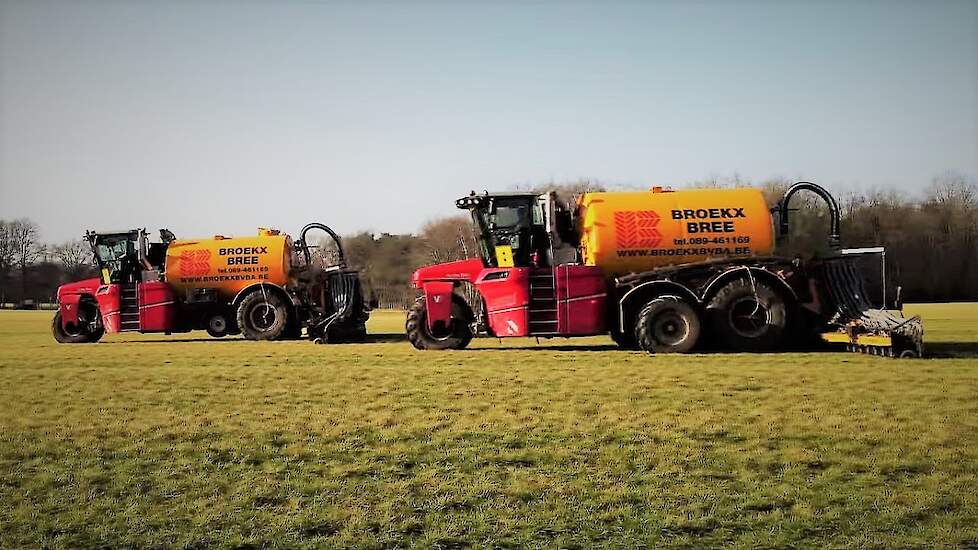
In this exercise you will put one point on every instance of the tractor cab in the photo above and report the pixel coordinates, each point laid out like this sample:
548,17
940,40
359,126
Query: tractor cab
520,229
128,257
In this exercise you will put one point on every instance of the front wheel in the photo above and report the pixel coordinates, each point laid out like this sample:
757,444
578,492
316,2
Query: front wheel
456,335
262,316
667,325
82,333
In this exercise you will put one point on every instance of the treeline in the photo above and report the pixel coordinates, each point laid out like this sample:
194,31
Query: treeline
931,241
31,270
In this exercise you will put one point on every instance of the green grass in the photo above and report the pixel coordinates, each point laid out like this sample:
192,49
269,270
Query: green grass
152,441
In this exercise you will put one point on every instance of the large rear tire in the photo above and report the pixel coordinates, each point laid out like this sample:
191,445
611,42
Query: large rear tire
262,316
456,336
81,334
667,325
749,316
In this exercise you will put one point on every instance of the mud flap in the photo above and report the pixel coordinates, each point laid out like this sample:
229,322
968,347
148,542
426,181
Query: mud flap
438,303
68,305
854,322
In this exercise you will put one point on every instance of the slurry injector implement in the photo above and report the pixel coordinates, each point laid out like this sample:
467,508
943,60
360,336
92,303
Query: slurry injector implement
662,271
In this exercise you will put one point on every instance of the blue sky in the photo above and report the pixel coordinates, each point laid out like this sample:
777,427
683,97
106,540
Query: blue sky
217,117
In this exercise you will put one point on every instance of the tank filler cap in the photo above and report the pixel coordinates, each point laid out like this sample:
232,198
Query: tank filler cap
660,189
266,232
219,237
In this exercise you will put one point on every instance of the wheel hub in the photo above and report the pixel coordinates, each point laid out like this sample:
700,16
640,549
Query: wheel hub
262,316
749,317
218,323
670,329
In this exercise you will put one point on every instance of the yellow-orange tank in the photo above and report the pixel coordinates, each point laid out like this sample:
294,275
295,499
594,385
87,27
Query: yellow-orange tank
229,264
634,232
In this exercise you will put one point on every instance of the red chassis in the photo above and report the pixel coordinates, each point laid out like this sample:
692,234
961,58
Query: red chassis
89,298
566,300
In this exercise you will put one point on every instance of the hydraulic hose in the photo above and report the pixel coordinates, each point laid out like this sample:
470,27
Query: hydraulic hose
835,237
332,234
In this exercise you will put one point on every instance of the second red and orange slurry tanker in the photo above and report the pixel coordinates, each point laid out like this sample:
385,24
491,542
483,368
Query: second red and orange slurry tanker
662,271
266,287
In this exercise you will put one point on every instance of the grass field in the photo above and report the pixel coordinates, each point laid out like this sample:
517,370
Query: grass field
153,441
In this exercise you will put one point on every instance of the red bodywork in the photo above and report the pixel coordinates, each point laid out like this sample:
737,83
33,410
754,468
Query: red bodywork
567,300
108,297
582,294
69,297
157,307
157,304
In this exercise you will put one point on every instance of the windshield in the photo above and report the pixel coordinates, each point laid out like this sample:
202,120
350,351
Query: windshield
506,217
112,251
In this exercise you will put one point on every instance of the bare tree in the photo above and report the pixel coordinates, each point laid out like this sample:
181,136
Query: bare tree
567,192
27,247
74,256
449,239
7,254
955,190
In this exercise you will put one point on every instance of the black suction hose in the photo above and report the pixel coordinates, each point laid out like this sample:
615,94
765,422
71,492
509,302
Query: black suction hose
332,234
835,237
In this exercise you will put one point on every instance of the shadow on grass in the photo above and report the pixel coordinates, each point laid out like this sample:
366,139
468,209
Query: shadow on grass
387,338
371,339
951,349
545,347
172,341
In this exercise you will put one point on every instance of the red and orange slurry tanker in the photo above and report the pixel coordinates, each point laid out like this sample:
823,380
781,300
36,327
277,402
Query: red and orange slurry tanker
265,287
661,271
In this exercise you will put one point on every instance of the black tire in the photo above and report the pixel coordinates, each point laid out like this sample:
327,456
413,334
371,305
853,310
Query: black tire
625,340
82,335
667,325
456,336
749,317
262,316
218,325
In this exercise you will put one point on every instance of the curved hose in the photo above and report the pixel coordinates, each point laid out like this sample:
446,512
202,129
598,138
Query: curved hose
332,234
835,237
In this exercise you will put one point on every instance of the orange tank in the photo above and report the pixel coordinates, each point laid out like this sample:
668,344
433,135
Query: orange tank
229,264
634,232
